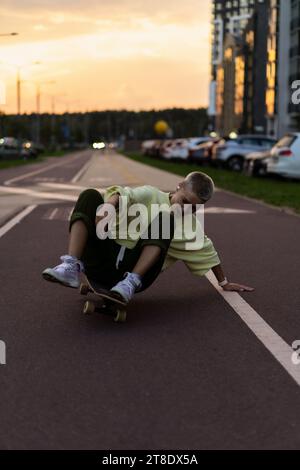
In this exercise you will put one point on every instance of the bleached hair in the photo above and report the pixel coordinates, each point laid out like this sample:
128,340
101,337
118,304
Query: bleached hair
201,185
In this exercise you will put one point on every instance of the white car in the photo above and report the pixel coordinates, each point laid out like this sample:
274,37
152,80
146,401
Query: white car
177,150
180,149
147,146
232,152
285,157
9,148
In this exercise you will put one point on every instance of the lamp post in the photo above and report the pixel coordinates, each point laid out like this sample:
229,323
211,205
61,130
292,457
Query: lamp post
53,137
18,91
19,82
38,107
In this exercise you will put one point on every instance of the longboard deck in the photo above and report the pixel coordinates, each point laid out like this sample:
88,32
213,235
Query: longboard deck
103,292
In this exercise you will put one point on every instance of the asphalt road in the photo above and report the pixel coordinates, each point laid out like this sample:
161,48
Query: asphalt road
58,169
185,371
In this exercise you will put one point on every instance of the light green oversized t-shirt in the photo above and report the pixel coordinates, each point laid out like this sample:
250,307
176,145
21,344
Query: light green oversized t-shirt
199,259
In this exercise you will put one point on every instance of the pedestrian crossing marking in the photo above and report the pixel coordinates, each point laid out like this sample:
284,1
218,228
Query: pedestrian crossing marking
58,213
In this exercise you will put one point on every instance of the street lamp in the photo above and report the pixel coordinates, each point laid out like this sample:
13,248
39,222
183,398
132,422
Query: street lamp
19,84
38,93
19,81
19,68
38,107
54,99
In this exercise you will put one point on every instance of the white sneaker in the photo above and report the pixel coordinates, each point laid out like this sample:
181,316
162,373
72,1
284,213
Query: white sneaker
128,286
66,273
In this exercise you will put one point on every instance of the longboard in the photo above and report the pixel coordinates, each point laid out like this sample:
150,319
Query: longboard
111,303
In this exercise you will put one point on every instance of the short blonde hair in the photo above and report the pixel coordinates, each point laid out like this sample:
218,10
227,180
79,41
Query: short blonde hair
201,185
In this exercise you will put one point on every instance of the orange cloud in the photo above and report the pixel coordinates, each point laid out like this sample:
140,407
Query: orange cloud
114,54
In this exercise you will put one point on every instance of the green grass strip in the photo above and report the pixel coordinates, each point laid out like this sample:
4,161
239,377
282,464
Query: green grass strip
278,192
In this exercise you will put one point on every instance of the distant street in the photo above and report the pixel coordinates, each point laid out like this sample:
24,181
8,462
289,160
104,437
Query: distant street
191,369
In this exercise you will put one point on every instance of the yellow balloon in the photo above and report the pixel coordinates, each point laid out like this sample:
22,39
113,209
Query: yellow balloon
161,127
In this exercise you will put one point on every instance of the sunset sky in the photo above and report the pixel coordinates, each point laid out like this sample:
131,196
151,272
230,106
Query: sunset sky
106,54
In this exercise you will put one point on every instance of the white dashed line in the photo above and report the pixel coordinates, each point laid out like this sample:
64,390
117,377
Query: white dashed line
227,210
81,172
53,214
63,186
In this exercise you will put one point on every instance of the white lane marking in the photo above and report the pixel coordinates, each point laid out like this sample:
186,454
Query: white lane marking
53,213
36,172
59,213
81,171
62,186
227,210
37,194
45,178
15,220
99,178
266,335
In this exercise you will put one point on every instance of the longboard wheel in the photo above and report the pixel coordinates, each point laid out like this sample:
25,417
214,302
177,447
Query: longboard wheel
84,289
120,316
89,308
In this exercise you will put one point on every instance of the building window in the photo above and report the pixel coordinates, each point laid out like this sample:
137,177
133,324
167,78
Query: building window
239,85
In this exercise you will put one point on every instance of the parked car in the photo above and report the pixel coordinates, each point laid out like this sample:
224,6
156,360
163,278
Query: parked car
232,152
255,163
12,148
285,156
29,149
164,147
179,149
151,148
156,149
194,141
202,153
147,146
9,148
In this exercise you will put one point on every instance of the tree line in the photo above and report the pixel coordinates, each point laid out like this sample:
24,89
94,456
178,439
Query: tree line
71,128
